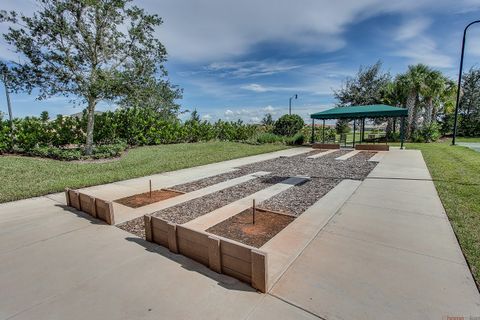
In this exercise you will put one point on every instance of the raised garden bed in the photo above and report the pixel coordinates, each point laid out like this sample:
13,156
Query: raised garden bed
241,228
376,147
143,199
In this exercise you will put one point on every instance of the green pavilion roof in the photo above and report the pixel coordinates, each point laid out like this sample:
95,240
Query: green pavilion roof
368,111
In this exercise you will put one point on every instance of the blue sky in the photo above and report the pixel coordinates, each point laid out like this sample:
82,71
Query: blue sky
242,59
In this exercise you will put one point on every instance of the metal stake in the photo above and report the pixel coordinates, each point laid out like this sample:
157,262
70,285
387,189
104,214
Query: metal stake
150,188
254,211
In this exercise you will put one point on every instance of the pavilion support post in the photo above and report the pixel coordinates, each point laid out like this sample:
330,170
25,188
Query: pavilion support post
402,132
394,125
354,129
313,131
323,132
362,136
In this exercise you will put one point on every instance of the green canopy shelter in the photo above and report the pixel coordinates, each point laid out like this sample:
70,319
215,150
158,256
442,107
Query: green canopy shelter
362,112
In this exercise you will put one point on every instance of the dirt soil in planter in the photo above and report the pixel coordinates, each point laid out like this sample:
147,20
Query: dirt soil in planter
240,227
142,199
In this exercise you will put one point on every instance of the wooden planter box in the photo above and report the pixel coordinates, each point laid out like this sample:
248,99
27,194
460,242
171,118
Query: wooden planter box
326,146
96,208
223,256
373,147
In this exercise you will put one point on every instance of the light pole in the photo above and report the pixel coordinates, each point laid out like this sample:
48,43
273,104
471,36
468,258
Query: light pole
460,82
295,96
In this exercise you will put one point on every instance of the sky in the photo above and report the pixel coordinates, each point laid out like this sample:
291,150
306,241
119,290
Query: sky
243,59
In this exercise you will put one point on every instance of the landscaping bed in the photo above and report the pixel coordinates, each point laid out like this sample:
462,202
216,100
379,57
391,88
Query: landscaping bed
209,181
135,226
195,208
300,197
241,228
143,199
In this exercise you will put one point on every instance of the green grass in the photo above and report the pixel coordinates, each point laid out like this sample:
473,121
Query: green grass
468,139
24,177
456,174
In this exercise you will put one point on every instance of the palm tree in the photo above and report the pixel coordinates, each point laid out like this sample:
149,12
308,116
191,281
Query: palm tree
435,84
412,83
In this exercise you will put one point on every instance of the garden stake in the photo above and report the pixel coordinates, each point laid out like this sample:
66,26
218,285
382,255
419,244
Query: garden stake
150,188
253,211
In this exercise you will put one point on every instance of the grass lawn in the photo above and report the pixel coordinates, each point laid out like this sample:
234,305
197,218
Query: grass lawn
25,177
456,174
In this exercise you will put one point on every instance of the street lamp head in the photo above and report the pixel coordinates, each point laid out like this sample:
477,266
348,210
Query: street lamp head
296,96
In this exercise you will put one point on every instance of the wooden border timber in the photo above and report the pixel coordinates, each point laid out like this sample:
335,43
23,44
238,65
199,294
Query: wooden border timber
221,255
373,147
326,146
97,208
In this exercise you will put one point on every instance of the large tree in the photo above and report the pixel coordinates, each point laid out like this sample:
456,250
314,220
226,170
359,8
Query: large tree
368,86
470,103
412,83
97,50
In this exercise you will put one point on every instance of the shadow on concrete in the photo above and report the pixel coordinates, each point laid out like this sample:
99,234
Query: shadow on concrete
80,214
191,265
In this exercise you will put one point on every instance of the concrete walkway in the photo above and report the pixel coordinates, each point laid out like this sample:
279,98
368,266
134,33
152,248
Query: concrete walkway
388,253
472,145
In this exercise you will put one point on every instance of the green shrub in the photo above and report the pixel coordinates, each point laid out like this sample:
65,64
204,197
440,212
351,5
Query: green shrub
296,140
428,133
266,137
330,133
288,125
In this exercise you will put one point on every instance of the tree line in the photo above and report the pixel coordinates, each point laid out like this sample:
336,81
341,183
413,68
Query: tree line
427,93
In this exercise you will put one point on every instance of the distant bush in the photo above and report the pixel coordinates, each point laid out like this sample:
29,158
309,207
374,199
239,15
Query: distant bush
268,138
55,138
69,154
288,125
296,140
330,133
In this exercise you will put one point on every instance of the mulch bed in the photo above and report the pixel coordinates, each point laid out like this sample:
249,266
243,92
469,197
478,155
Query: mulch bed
240,227
142,199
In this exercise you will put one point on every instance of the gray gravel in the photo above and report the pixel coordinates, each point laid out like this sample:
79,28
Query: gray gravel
325,173
299,198
192,209
135,226
206,182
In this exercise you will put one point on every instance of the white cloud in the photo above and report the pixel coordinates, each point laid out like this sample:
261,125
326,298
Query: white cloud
418,47
412,28
248,69
212,30
269,109
256,87
228,112
207,117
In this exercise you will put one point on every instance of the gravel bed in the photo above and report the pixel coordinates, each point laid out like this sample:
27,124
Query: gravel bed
357,167
325,173
299,198
135,226
192,209
206,182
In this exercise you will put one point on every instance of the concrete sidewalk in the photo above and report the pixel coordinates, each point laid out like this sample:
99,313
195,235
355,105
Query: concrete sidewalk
388,253
58,263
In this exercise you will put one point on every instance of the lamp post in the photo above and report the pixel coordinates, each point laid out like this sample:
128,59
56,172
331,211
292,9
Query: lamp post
295,96
460,82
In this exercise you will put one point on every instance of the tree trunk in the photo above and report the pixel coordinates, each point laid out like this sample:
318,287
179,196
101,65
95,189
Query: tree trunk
427,119
412,98
90,125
